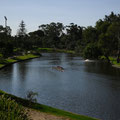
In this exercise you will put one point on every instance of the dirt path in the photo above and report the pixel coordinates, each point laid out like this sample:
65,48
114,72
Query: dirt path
37,115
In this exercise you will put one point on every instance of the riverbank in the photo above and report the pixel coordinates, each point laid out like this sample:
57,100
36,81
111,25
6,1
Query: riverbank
43,109
49,50
14,59
113,61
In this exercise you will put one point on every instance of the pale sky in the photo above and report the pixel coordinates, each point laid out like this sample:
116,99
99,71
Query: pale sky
37,12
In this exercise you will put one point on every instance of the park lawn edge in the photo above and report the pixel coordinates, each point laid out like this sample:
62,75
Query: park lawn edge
49,50
45,108
113,61
16,59
9,61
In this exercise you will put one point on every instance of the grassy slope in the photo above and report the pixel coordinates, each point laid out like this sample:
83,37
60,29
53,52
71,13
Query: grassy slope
113,60
47,109
28,56
17,58
55,50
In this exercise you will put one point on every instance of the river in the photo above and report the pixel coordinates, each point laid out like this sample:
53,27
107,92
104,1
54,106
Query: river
90,88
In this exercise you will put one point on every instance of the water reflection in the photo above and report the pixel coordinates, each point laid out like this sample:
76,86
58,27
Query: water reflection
89,88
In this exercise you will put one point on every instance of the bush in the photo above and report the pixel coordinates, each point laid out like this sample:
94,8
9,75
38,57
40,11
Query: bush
10,110
91,51
31,96
1,59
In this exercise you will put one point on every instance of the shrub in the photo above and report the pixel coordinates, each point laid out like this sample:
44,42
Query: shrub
31,96
1,59
10,110
91,51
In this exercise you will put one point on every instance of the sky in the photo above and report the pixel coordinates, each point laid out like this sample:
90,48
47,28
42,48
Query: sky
37,12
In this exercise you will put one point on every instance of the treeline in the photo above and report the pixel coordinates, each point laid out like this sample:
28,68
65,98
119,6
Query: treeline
91,42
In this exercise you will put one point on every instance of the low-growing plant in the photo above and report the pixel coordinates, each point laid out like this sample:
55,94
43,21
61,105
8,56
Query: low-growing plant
10,110
31,96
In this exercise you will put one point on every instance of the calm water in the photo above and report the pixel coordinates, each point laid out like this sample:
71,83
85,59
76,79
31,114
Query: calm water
88,88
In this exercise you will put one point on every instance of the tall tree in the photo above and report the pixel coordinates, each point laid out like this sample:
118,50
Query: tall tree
74,35
114,34
52,32
22,30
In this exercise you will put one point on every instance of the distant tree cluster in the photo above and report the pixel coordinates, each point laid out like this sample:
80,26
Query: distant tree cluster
91,42
104,38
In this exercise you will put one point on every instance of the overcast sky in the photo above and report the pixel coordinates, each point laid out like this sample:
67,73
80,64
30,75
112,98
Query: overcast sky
37,12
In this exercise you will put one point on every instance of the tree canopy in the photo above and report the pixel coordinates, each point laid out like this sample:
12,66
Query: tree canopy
91,42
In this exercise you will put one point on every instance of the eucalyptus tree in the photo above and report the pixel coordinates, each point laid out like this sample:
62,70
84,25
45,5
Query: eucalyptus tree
52,34
36,38
114,33
74,36
6,41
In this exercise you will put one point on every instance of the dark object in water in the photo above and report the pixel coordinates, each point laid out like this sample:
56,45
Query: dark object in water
59,68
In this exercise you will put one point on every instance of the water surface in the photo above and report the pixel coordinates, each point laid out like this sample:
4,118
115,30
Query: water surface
88,88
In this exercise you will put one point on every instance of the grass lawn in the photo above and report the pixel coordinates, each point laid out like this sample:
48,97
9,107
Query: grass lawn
10,60
24,57
1,65
17,58
55,50
46,109
113,60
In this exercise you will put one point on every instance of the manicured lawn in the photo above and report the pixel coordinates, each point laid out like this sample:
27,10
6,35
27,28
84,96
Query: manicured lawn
16,58
10,60
1,65
55,50
24,57
113,60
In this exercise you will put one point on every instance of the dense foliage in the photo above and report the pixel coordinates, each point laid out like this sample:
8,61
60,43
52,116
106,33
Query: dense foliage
92,42
10,110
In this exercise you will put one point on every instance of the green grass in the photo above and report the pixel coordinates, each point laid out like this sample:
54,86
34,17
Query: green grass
1,65
55,50
24,57
10,60
10,110
47,109
113,60
16,58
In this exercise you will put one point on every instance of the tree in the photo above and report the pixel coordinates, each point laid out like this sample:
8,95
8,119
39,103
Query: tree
2,29
6,42
52,32
90,35
105,45
8,30
22,30
114,33
21,37
74,34
91,51
38,33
